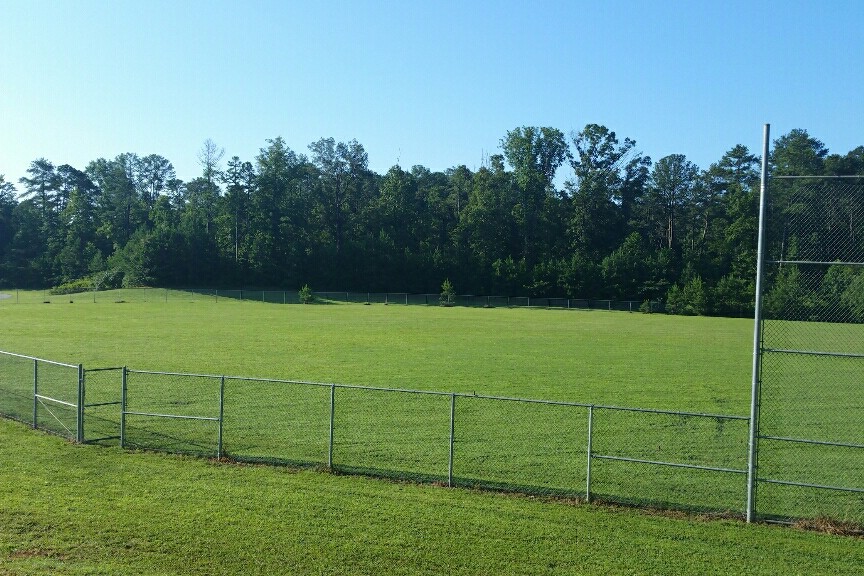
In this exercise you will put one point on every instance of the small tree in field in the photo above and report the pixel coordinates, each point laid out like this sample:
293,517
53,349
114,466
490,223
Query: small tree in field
305,294
448,294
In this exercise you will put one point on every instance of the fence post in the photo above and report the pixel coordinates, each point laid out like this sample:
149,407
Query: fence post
123,409
35,391
757,337
330,432
79,436
590,448
452,439
221,415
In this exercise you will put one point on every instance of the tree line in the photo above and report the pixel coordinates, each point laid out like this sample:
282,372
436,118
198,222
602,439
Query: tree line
622,227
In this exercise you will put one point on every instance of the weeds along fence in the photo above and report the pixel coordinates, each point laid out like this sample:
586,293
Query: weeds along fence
653,458
292,297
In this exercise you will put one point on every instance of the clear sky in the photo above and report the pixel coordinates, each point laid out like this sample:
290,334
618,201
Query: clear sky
437,83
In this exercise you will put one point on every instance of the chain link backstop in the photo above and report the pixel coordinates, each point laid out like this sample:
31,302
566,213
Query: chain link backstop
810,451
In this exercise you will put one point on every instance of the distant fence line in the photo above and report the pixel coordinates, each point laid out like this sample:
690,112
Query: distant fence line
292,297
643,457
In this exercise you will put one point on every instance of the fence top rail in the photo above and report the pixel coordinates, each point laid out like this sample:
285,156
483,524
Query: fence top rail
38,359
158,373
108,369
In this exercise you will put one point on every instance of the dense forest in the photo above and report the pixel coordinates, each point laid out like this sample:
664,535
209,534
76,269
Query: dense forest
622,227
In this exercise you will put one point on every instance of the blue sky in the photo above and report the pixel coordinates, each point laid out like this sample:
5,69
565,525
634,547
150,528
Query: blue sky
432,83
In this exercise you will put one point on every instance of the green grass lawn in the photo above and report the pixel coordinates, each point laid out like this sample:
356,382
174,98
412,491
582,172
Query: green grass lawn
650,361
691,364
599,357
76,510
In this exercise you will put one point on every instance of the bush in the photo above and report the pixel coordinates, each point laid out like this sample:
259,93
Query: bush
305,295
108,280
73,287
448,293
689,300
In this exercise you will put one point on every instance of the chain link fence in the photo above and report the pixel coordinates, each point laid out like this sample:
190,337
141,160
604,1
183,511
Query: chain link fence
44,394
810,454
811,406
676,460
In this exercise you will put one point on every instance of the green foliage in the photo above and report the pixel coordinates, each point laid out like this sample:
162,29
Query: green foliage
733,296
788,297
691,300
108,280
448,293
853,298
620,228
305,295
73,287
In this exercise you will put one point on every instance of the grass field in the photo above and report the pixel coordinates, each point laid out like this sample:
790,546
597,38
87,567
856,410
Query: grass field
606,358
650,361
76,510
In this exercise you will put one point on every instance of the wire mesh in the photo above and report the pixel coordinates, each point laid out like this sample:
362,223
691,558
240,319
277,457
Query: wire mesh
16,387
172,412
57,401
640,457
520,446
39,392
669,460
276,422
391,433
102,405
811,418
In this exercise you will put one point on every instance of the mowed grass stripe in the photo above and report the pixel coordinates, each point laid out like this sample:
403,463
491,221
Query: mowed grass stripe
74,510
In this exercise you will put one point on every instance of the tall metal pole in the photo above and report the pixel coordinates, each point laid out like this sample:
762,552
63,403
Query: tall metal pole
757,337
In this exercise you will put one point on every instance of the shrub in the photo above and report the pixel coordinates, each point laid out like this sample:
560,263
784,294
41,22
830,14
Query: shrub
305,295
73,287
448,294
